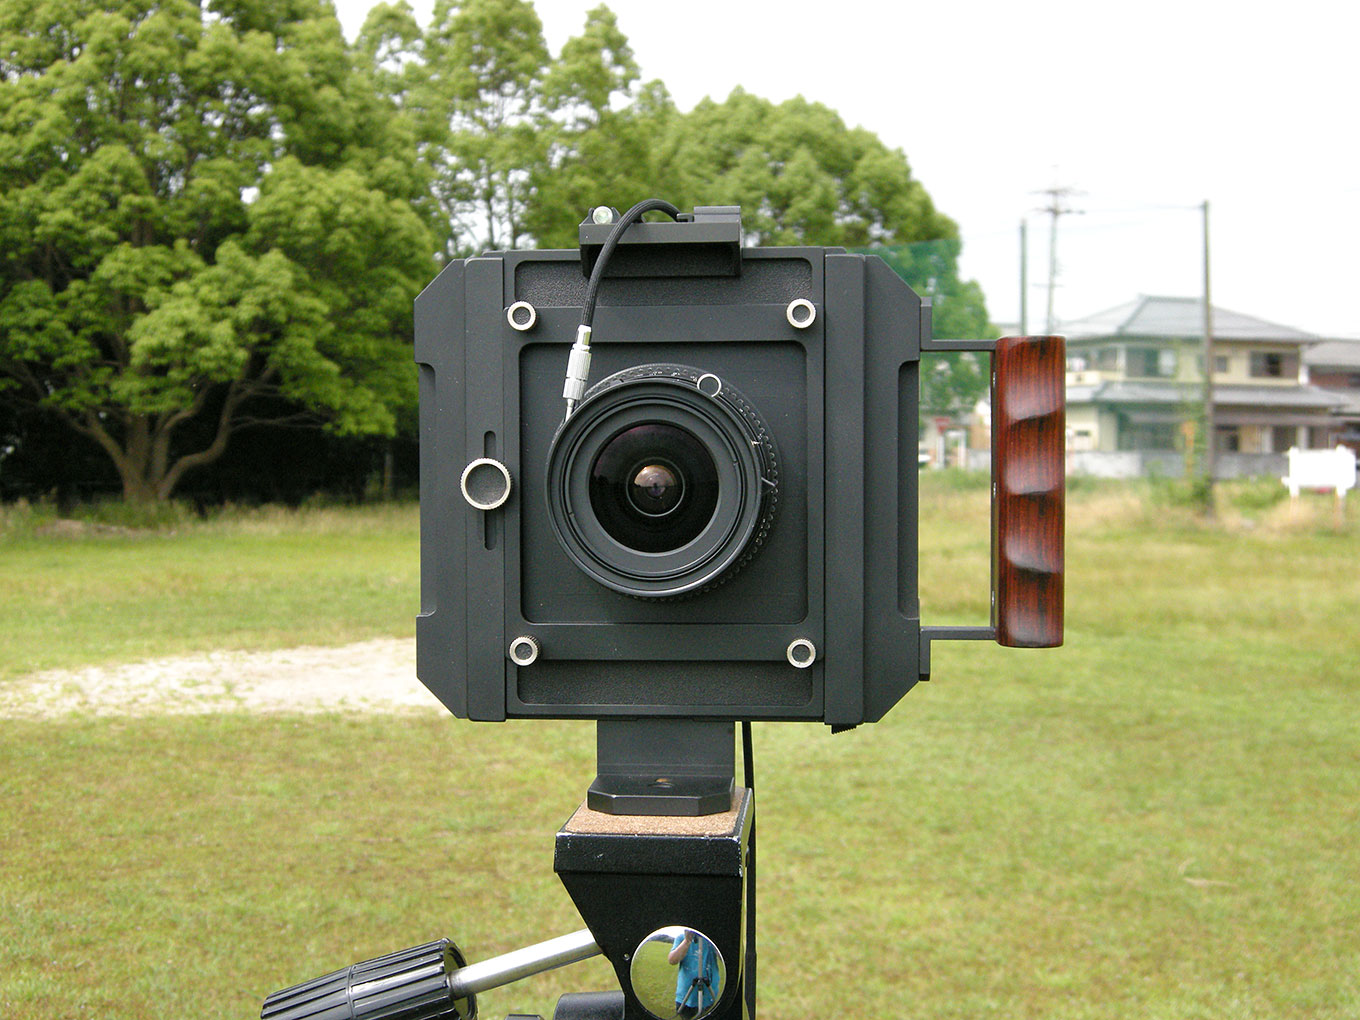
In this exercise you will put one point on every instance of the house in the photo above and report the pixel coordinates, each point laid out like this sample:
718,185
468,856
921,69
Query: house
1135,390
1334,366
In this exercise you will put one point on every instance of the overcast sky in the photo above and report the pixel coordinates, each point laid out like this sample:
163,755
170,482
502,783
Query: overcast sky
1146,109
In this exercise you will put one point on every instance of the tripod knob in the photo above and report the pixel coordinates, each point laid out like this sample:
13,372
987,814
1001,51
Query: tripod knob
412,984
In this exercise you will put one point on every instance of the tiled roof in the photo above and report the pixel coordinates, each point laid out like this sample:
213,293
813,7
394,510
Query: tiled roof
1348,402
1179,318
1343,354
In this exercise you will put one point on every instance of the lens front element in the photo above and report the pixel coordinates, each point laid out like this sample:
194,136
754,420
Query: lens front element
654,487
656,490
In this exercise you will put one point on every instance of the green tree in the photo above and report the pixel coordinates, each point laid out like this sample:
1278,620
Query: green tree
799,174
391,44
477,86
202,210
604,132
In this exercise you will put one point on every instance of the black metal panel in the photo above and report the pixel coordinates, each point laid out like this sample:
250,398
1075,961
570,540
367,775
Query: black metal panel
732,690
441,628
553,279
585,1006
845,438
892,607
485,436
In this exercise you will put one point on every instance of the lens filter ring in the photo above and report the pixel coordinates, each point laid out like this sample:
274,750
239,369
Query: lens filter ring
659,488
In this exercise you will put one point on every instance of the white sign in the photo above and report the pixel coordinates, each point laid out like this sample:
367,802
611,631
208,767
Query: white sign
1321,469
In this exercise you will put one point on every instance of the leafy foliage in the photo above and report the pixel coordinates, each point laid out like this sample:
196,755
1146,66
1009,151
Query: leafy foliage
602,133
199,208
799,174
217,216
476,85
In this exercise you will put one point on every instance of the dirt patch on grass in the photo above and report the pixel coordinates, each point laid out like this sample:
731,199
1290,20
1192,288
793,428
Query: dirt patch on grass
369,676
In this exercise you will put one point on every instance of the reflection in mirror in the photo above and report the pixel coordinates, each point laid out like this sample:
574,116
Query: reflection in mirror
677,972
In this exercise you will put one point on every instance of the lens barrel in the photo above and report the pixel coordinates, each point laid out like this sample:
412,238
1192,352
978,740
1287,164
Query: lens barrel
663,482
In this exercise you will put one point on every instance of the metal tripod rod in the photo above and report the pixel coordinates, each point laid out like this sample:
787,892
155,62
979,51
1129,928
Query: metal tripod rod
523,963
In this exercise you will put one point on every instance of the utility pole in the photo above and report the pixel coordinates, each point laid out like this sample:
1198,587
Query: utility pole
1208,376
1057,196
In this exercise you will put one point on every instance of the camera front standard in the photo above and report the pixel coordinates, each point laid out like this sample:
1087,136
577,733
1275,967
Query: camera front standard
721,520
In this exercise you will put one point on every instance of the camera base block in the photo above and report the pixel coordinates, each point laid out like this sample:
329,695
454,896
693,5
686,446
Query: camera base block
662,767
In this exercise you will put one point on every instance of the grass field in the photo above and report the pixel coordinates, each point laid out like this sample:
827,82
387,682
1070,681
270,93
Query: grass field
1161,819
75,593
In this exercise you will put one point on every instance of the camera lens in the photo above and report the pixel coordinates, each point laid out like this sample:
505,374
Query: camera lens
653,487
662,482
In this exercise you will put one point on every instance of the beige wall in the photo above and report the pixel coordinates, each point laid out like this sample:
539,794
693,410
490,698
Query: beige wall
1089,428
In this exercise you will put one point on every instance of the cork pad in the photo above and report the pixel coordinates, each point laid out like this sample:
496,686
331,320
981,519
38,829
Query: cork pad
725,824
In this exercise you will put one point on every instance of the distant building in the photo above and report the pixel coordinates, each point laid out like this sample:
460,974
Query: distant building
1135,390
1334,366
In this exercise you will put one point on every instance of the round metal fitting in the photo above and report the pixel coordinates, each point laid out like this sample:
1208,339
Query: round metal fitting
524,650
662,957
801,653
801,313
521,316
602,214
485,483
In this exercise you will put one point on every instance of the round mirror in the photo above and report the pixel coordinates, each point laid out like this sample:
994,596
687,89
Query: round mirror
677,972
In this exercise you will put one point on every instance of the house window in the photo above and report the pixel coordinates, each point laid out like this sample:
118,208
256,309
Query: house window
1220,364
1229,438
1274,365
1151,363
1107,359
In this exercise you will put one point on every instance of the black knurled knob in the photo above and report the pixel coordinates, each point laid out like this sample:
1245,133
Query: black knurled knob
412,984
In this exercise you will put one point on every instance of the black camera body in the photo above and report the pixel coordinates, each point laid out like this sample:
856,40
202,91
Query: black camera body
724,528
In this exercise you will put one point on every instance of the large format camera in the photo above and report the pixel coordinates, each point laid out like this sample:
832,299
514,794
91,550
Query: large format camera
725,526
721,528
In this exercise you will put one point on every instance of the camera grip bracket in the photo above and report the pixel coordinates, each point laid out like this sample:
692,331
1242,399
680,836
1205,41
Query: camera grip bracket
1028,493
1028,490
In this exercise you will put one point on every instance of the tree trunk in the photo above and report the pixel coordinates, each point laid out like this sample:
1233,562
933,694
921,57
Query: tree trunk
142,459
137,490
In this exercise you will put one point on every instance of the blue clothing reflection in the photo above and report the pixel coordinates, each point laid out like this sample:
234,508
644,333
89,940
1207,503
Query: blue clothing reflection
698,982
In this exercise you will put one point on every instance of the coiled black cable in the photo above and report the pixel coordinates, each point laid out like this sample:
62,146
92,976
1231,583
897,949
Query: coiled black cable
611,242
578,362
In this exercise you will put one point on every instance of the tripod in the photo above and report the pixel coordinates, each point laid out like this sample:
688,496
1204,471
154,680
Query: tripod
645,859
